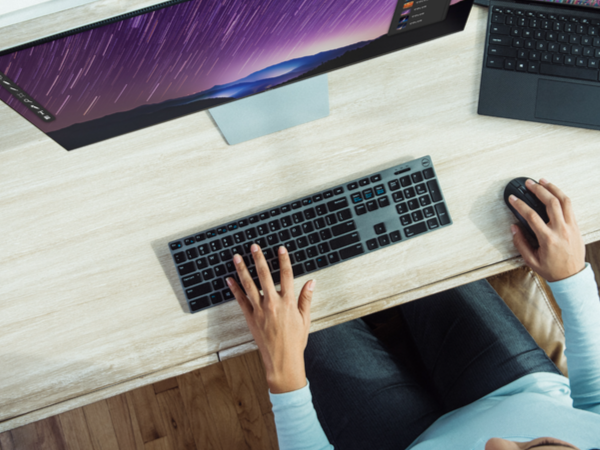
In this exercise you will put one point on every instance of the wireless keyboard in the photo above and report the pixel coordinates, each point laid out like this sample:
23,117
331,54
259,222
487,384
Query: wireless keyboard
319,230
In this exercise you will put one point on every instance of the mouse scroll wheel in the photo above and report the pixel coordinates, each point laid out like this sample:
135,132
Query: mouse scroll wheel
522,190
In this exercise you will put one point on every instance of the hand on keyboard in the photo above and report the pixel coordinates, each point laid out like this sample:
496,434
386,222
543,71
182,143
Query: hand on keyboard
561,252
279,323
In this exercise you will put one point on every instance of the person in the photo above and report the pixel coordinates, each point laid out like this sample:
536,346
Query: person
487,385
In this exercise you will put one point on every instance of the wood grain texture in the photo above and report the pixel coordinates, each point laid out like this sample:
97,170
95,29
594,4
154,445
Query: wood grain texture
246,403
176,420
100,426
75,430
198,411
150,421
105,313
125,423
221,401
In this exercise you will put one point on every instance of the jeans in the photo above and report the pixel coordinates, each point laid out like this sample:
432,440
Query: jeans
469,344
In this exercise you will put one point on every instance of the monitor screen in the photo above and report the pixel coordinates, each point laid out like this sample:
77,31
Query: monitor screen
107,79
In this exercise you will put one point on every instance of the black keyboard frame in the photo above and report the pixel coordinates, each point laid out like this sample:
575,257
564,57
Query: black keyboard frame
407,187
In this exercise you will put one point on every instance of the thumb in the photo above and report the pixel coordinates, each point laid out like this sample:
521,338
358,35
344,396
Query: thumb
524,248
306,297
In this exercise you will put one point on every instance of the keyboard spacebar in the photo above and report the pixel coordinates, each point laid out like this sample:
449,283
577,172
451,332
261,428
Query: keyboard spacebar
569,72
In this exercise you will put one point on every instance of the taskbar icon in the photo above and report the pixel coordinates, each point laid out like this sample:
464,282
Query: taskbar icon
25,99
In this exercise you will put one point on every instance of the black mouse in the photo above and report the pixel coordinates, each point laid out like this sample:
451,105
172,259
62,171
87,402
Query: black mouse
518,189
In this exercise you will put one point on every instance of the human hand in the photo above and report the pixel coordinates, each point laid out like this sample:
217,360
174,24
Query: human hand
278,322
561,253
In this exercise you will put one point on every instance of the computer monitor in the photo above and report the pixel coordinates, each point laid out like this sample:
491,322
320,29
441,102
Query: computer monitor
123,74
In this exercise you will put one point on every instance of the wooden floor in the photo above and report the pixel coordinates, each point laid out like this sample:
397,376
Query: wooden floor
224,407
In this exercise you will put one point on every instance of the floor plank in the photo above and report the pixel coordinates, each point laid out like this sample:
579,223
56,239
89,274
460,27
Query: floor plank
256,372
6,442
221,403
199,413
75,430
246,403
102,432
124,423
178,425
148,415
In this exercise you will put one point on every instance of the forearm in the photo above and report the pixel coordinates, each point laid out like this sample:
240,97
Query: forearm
578,299
296,421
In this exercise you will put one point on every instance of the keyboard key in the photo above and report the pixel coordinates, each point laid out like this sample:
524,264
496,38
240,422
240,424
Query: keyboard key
397,197
331,219
383,240
312,252
309,213
180,257
372,205
189,241
291,246
442,213
360,209
335,205
410,192
324,248
357,198
434,190
325,234
569,72
379,228
327,194
413,204
368,194
424,200
338,191
286,221
372,244
415,229
428,173
222,230
317,198
307,227
284,235
394,185
274,225
352,186
395,236
208,274
307,201
199,290
383,201
227,295
321,261
343,241
405,181
216,297
417,216
300,255
201,263
196,305
176,245
364,182
402,208
432,224
186,268
321,210
343,228
309,266
285,209
298,217
428,212
405,220
344,215
417,177
375,178
349,252
191,280
313,238
298,270
218,284
302,242
213,259
333,257
319,223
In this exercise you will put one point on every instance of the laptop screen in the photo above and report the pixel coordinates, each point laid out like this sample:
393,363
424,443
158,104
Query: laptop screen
587,3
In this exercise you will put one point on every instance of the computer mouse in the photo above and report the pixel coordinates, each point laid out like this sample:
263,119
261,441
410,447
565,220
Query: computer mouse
518,189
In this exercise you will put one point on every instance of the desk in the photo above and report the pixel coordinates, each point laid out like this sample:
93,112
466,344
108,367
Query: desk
90,305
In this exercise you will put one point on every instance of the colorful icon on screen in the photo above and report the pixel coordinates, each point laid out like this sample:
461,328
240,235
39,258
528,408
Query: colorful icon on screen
408,5
405,12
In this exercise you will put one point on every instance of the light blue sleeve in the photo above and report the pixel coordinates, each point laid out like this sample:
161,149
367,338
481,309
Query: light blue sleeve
296,421
578,299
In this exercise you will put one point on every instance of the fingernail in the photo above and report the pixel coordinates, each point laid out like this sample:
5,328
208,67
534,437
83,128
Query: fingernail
311,285
513,229
543,181
282,250
254,248
512,198
229,282
237,259
529,182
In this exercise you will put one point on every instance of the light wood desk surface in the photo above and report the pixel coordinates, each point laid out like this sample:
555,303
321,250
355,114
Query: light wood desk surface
89,302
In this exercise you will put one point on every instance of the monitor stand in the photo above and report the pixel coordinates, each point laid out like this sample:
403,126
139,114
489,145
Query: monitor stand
274,110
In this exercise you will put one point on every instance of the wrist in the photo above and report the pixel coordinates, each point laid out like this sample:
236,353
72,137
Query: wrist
286,380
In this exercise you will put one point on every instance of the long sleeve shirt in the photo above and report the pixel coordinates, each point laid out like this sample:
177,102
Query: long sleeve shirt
535,405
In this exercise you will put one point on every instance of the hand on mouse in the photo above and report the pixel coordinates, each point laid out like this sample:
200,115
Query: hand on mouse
278,322
561,253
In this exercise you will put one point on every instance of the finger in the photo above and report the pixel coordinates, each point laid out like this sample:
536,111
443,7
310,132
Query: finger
262,268
247,282
565,201
553,205
524,248
534,220
305,298
286,273
239,295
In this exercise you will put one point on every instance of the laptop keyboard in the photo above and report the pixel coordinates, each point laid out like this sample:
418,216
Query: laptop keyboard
530,41
319,230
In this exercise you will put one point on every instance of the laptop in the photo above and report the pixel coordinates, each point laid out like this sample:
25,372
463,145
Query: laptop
541,62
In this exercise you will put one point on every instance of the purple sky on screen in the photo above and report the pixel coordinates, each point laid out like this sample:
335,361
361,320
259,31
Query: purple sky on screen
182,50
